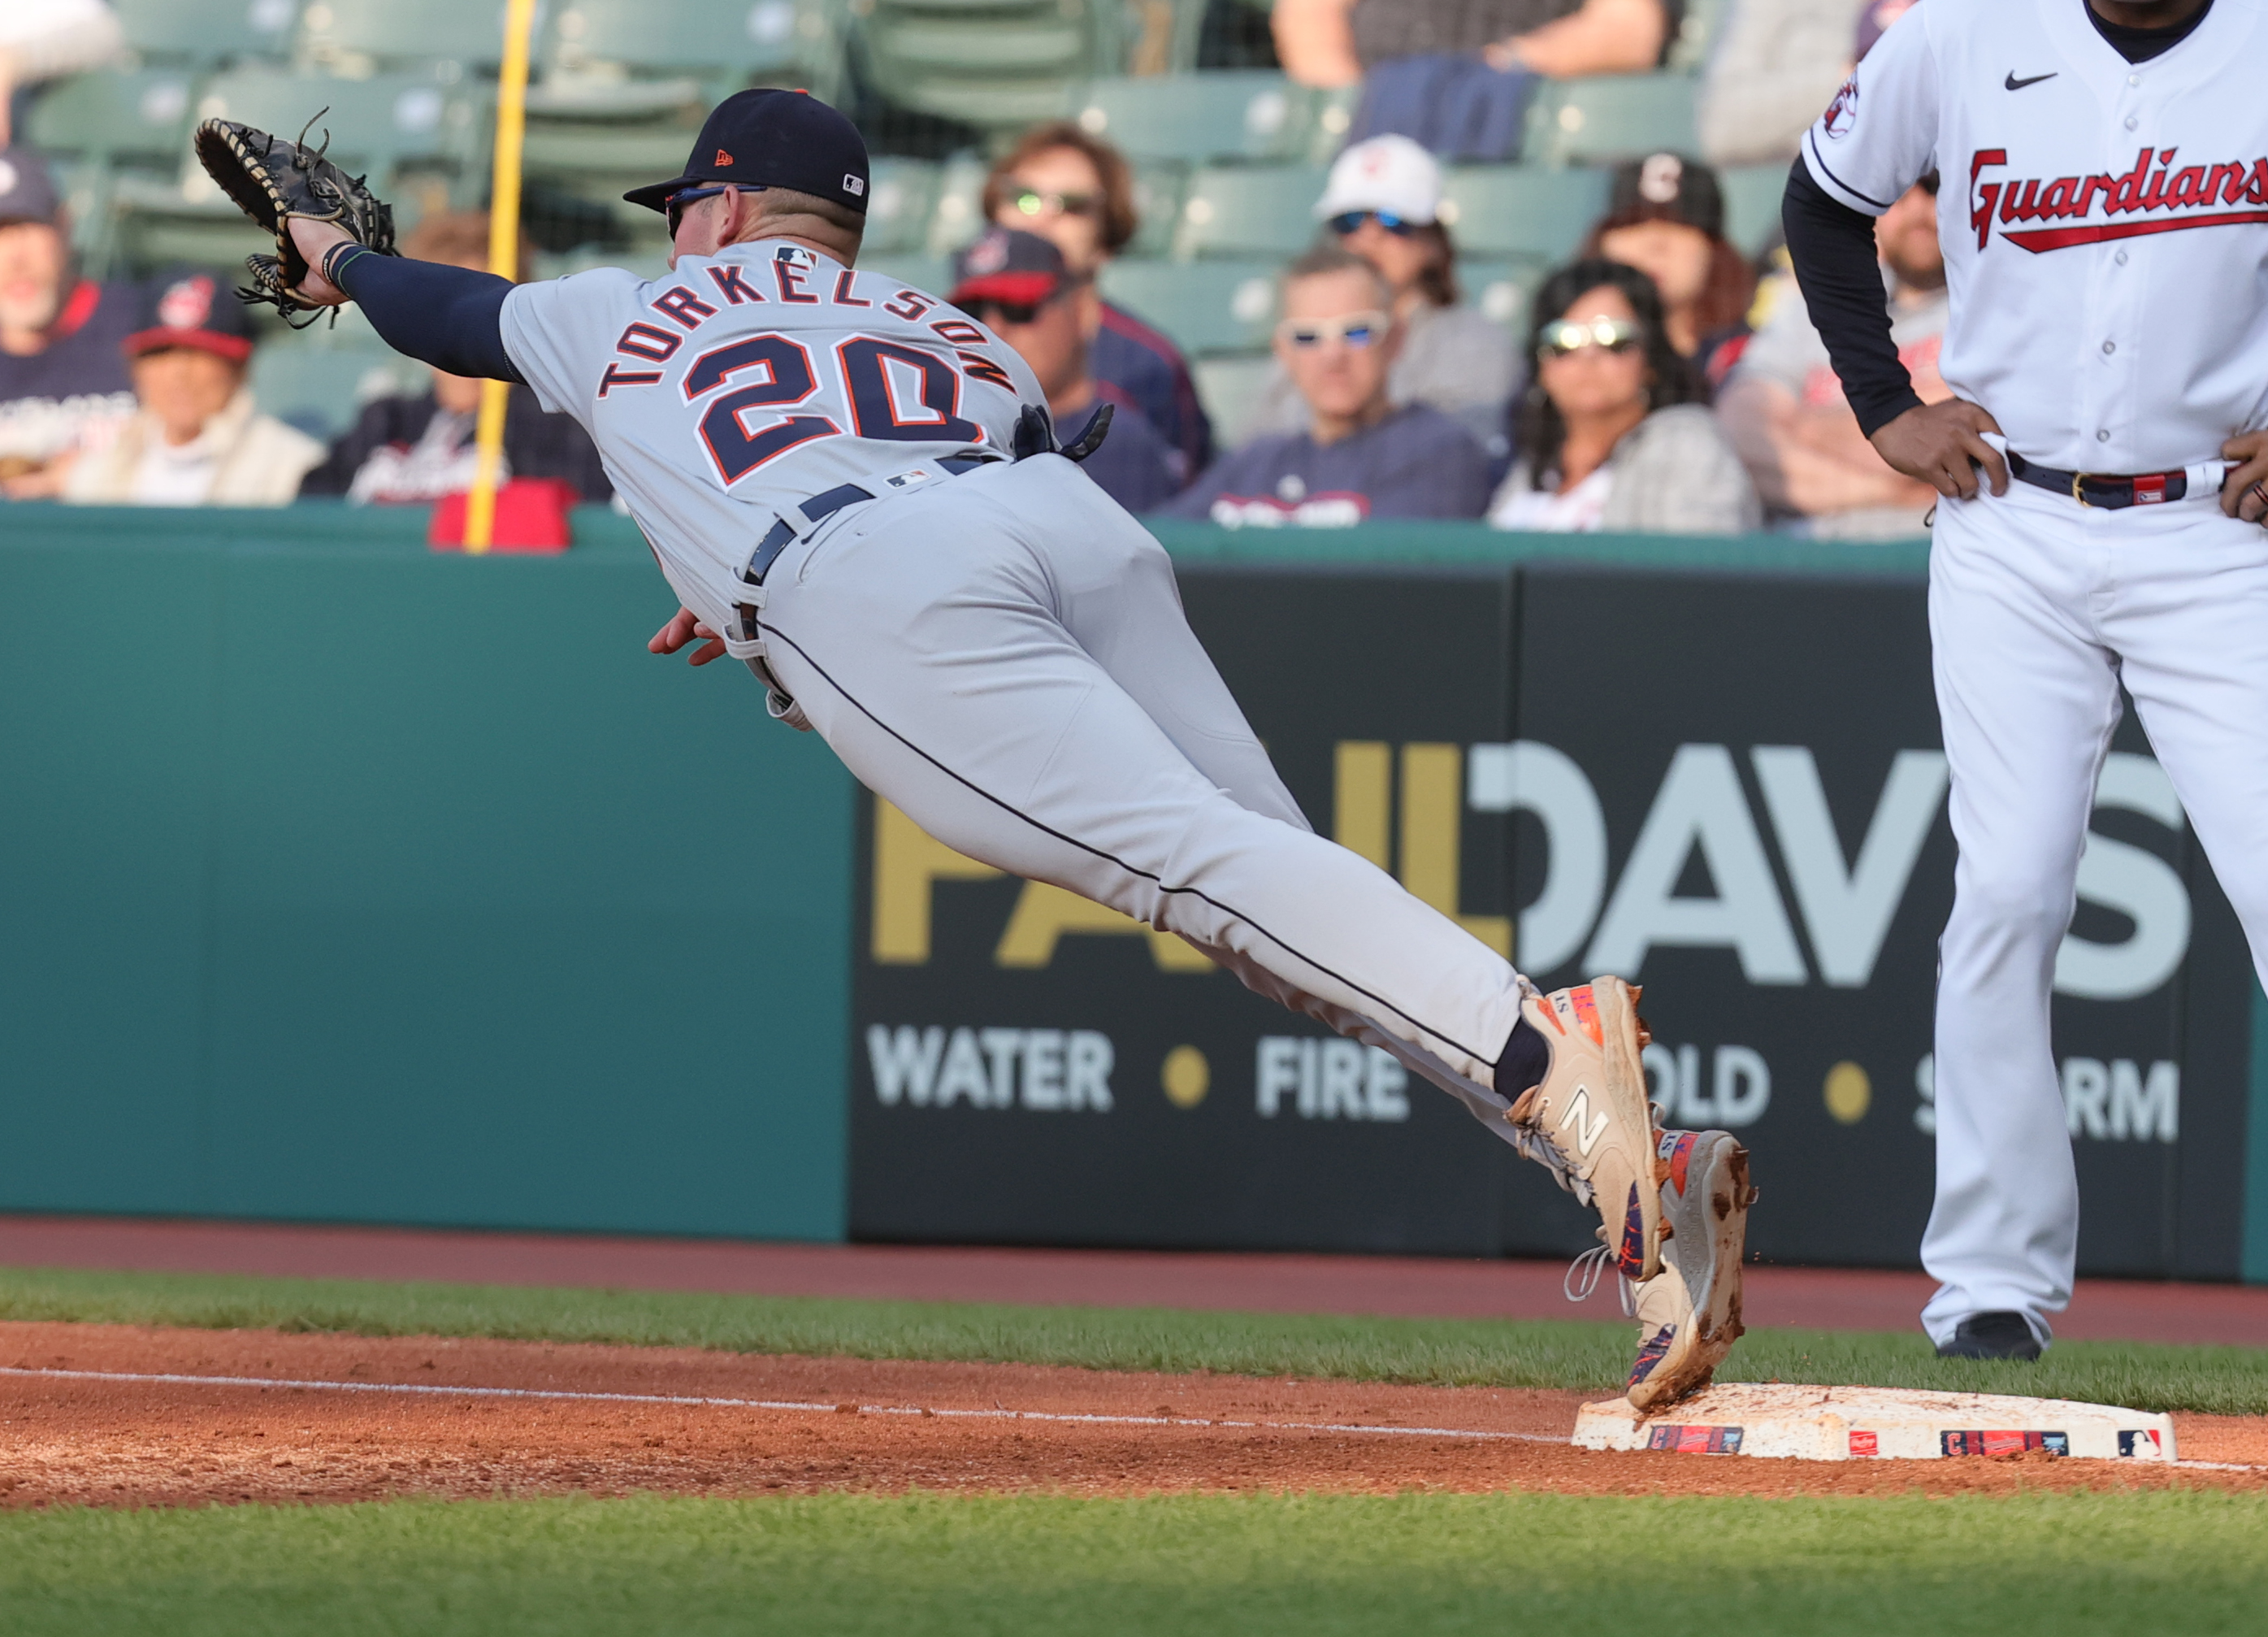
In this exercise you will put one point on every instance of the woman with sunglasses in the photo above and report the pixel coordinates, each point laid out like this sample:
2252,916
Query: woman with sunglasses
1077,192
1383,203
1615,433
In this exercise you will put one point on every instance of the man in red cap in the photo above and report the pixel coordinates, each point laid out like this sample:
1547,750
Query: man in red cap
198,439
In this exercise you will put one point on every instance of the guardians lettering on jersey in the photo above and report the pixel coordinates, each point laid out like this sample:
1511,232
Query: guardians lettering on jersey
2153,198
896,393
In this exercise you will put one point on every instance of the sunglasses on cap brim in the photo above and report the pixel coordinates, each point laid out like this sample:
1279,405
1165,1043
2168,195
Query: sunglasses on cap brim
1568,336
1357,329
1346,221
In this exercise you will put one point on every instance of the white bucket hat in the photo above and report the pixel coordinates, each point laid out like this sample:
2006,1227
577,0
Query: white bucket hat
1391,174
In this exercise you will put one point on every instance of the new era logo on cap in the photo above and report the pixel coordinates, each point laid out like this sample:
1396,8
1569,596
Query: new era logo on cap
723,157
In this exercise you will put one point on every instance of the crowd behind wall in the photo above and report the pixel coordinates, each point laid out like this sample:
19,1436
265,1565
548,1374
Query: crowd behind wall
1664,380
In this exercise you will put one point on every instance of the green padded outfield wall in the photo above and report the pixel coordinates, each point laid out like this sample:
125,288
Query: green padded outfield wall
340,880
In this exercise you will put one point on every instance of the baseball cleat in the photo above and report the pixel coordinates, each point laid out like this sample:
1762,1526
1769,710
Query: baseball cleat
1588,1119
1690,1317
1992,1336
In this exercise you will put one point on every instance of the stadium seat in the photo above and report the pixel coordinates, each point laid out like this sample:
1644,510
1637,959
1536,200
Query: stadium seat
1199,119
207,31
621,56
1205,306
931,274
375,126
996,65
356,37
1696,34
1499,211
318,379
1502,291
1159,190
899,205
1249,210
138,117
959,215
1229,385
1752,196
1610,118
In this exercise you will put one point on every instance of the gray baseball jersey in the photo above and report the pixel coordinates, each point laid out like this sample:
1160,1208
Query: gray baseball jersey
745,382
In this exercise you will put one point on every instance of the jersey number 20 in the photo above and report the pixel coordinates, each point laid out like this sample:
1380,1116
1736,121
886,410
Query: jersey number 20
924,413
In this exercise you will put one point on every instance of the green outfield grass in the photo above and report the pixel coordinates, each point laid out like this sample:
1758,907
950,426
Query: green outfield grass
1572,1353
2150,1564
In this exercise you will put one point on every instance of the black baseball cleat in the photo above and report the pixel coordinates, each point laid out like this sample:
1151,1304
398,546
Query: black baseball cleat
1992,1336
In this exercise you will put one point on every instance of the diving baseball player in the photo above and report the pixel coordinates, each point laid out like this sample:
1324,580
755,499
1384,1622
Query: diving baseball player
2103,207
825,463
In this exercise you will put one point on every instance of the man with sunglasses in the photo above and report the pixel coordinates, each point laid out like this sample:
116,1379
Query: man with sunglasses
852,487
2101,469
1019,286
1359,456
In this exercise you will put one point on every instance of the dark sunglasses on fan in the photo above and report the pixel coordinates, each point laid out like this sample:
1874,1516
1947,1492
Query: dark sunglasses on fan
1346,221
1041,201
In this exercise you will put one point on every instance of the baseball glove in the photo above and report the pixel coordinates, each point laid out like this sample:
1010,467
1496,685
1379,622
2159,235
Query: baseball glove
273,180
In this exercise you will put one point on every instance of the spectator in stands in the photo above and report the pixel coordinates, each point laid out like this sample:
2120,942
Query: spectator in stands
1666,218
1784,406
63,383
42,40
1361,455
1613,435
198,439
411,450
1077,191
1455,74
1019,285
1383,203
1775,64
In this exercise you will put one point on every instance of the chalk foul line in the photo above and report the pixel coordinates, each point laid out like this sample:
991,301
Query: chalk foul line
806,1407
790,1405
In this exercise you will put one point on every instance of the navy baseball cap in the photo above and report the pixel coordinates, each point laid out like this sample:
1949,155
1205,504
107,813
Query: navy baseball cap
773,139
27,193
1010,266
190,309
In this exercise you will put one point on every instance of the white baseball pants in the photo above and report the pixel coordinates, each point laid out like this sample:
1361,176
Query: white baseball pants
2038,608
1003,656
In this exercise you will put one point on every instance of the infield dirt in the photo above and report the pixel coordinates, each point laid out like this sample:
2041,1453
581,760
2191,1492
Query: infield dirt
75,1439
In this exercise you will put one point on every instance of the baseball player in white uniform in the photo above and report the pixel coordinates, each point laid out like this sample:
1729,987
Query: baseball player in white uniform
825,463
2102,200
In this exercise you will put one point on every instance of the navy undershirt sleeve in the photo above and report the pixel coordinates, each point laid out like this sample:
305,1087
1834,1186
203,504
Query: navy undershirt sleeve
1832,248
450,317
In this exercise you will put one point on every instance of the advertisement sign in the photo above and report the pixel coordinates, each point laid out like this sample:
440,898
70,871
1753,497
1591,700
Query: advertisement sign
1728,788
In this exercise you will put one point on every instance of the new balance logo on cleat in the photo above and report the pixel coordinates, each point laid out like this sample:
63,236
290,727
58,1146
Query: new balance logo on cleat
1587,1131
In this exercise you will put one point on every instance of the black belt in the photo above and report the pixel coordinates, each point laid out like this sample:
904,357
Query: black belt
2100,489
781,534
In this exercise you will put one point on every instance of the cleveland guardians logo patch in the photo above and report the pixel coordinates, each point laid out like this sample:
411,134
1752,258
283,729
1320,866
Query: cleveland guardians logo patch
1843,113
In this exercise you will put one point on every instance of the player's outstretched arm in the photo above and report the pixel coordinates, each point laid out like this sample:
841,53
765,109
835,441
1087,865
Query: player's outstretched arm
1942,445
450,317
2244,493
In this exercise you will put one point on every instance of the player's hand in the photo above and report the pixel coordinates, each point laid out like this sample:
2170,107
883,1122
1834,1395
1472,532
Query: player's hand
2244,491
683,628
317,239
1942,445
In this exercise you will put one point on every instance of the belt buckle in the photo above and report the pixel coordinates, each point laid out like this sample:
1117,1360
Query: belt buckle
2077,480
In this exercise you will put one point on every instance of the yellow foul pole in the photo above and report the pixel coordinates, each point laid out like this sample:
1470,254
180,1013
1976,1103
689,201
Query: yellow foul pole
503,257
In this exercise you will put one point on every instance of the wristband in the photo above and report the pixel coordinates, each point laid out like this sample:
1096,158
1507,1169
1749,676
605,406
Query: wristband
334,261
